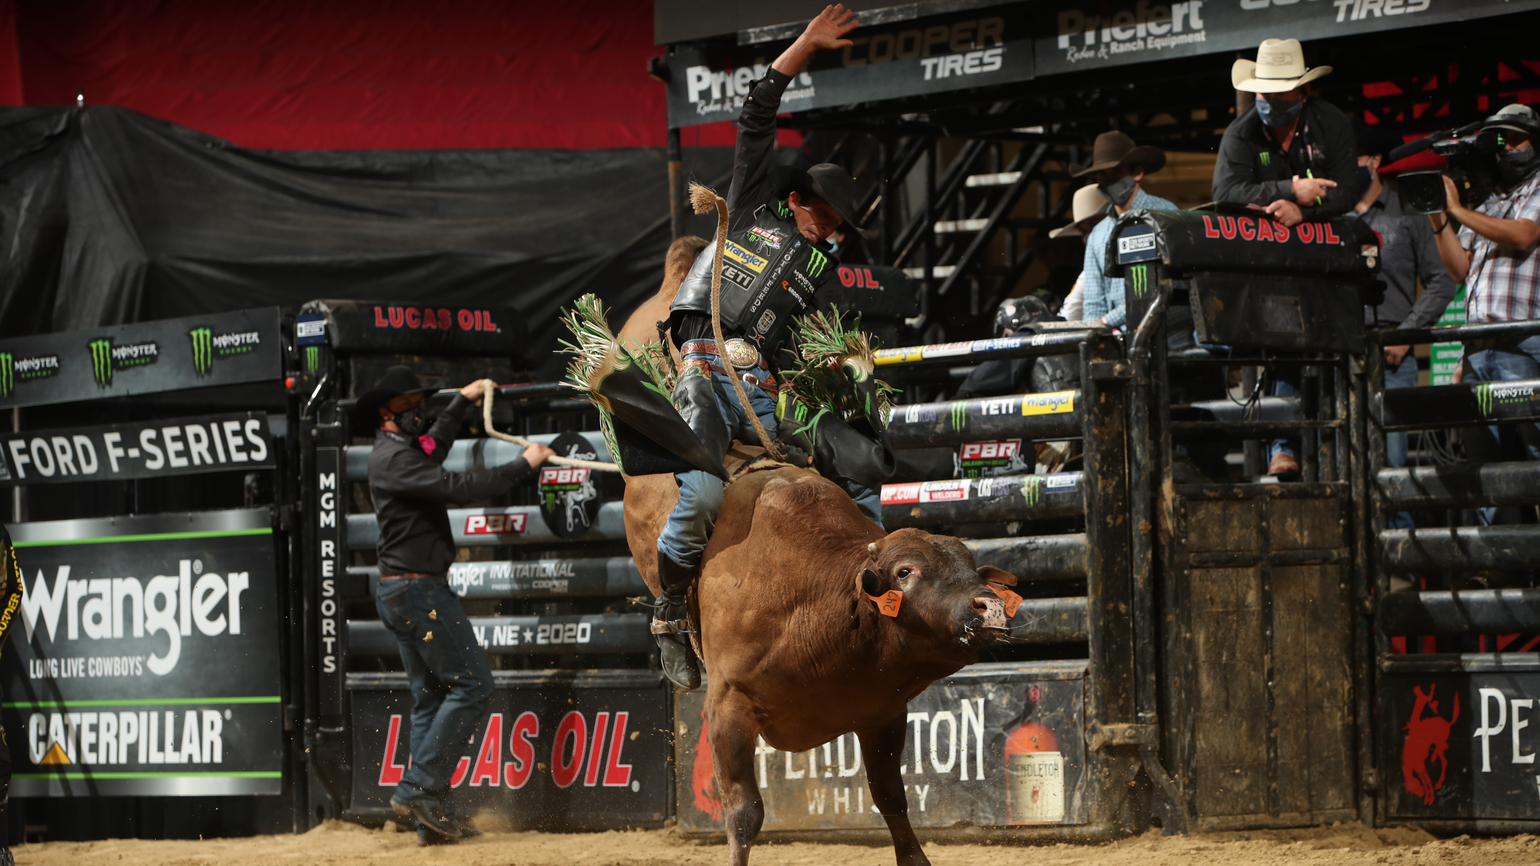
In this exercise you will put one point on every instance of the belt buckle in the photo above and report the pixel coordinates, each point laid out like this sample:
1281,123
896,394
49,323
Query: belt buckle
742,354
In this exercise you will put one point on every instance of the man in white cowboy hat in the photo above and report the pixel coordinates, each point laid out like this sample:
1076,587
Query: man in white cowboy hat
1119,167
1088,206
1291,152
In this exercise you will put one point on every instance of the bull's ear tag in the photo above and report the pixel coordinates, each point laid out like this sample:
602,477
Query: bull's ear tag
1011,599
888,602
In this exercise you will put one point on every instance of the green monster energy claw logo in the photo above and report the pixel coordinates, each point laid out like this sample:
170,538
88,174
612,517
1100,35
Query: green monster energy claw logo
312,358
959,415
1139,280
7,375
1484,398
101,361
203,350
1032,489
817,263
1267,158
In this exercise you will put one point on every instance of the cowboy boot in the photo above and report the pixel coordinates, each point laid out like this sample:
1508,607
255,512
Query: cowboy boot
671,623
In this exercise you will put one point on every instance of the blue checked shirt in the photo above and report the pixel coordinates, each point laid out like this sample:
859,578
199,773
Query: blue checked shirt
1503,283
1104,295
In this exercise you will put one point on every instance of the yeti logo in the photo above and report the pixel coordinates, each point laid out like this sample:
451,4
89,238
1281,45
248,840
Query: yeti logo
1427,743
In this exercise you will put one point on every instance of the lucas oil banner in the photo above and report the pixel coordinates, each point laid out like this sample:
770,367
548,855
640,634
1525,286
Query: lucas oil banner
556,751
988,746
142,358
144,662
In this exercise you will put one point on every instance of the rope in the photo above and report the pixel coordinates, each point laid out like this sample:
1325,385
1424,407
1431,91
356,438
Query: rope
488,389
697,193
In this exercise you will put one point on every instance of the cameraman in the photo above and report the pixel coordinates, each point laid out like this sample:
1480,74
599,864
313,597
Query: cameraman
1494,255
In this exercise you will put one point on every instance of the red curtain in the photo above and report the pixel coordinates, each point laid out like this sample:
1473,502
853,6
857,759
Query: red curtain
352,74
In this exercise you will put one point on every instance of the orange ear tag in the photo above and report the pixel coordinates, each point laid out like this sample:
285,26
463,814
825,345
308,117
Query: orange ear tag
1012,600
888,602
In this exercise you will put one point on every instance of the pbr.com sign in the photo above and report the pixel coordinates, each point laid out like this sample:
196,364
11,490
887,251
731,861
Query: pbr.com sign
1464,746
145,449
143,661
142,358
550,752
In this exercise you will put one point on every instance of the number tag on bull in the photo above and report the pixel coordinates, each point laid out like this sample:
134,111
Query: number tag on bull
888,602
1011,599
569,497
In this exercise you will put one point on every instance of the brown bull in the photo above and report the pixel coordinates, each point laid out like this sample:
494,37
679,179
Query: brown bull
794,648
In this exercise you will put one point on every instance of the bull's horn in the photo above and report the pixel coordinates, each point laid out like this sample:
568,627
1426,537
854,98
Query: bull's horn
872,548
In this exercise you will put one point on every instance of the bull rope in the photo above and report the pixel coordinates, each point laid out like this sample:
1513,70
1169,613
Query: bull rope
703,199
489,388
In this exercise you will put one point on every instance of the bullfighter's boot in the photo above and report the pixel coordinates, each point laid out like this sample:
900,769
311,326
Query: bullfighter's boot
671,623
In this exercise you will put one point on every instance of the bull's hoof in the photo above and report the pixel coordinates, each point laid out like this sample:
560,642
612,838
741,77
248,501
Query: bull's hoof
679,662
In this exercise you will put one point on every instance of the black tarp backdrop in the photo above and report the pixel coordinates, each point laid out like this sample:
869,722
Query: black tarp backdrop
108,216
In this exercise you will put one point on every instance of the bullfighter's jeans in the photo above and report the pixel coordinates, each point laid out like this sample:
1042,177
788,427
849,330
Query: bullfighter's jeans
450,678
689,525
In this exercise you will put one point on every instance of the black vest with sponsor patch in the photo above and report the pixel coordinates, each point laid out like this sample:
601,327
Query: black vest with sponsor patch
769,274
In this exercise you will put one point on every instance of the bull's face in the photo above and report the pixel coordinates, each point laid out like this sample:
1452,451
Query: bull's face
945,594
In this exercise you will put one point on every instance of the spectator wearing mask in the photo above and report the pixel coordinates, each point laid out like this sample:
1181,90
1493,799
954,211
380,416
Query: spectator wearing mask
1408,255
1494,254
1089,206
1119,167
1290,153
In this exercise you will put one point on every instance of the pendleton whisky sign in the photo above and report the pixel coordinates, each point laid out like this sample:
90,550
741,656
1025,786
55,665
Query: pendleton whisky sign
142,358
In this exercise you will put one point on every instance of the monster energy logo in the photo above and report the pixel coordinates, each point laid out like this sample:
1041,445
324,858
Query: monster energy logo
959,415
1267,158
817,263
203,350
1032,489
1489,395
1139,279
35,367
7,377
312,358
107,358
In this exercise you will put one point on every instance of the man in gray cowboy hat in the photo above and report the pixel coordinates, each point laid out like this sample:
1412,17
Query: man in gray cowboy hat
1291,153
450,678
777,266
1119,167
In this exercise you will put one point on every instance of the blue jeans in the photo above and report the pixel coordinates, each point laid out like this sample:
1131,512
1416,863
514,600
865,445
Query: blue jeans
450,678
689,525
1396,444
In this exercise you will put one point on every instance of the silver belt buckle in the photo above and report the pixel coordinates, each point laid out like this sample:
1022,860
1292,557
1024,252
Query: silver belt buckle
742,354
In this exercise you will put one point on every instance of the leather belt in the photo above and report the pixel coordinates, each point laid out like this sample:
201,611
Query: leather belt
410,575
740,352
767,384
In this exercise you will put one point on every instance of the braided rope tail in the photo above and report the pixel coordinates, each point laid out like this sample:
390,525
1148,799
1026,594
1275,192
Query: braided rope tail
703,200
489,388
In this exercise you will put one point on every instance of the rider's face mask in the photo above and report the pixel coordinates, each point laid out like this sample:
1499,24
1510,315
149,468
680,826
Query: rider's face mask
413,421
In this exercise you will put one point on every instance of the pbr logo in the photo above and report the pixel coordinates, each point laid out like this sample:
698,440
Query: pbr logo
495,524
107,358
206,346
36,367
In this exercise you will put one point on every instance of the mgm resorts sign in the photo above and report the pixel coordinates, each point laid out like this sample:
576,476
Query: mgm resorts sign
142,358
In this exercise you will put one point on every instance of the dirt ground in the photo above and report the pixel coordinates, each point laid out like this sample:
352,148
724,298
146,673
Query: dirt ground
337,844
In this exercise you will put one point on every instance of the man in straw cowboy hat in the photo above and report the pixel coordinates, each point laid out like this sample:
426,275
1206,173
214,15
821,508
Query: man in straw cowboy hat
411,490
776,266
1291,152
1118,166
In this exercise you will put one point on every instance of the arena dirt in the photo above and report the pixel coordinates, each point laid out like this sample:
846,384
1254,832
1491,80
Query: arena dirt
336,844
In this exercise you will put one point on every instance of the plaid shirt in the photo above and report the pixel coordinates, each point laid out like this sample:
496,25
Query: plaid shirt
1503,283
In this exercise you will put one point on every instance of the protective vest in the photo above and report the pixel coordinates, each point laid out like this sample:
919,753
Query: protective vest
769,274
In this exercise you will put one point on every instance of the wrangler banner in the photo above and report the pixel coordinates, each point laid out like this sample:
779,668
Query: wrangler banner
990,746
557,751
141,449
143,358
144,663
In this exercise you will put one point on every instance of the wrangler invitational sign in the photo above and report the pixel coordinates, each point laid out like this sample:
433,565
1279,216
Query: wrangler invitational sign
144,662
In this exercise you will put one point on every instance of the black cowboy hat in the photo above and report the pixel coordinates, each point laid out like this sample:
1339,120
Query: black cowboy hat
397,381
1116,148
826,181
1373,140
